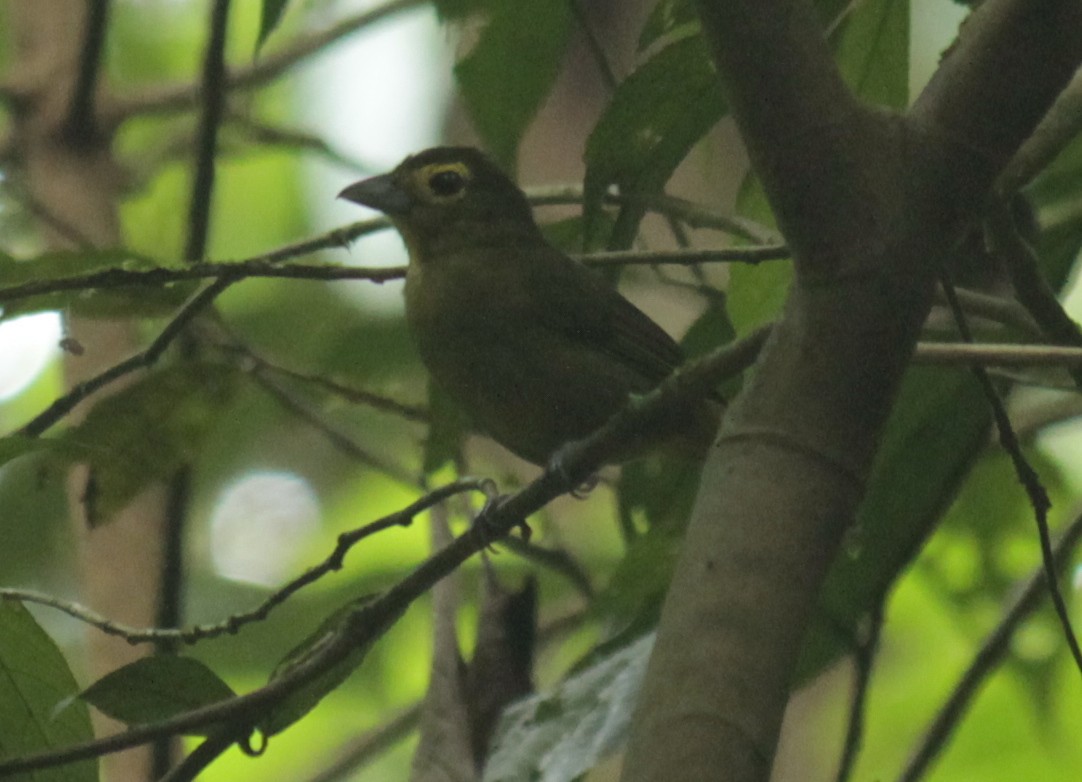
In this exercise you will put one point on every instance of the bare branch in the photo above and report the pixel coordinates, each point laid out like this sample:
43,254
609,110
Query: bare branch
264,133
369,621
960,353
1060,126
1030,285
342,441
141,360
81,126
349,393
988,658
863,661
212,90
231,624
260,266
179,97
1027,476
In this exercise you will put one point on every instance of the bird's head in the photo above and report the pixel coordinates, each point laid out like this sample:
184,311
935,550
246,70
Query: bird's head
446,195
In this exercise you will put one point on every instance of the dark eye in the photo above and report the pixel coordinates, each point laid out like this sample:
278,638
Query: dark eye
446,183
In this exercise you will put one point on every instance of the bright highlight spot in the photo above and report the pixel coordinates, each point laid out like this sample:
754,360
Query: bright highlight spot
27,345
260,524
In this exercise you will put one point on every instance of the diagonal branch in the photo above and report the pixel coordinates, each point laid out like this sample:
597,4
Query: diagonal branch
368,622
180,97
988,658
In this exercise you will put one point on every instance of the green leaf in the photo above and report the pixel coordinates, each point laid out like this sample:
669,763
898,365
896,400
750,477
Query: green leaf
509,72
656,116
157,688
14,446
756,292
1057,195
563,734
630,604
145,432
872,51
101,302
938,428
987,544
668,16
302,701
271,15
34,680
872,48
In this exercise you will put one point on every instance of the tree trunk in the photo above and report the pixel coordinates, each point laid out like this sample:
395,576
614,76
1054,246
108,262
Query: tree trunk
72,176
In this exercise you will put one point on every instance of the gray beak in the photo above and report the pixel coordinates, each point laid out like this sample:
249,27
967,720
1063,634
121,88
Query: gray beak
379,192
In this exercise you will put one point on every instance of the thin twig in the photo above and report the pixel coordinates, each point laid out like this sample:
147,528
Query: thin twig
263,266
142,360
863,660
334,435
231,624
264,133
688,212
1027,476
370,620
1007,355
64,228
1030,285
349,393
593,43
1055,131
171,588
995,308
146,358
558,560
179,97
81,125
212,90
202,756
987,659
162,275
359,752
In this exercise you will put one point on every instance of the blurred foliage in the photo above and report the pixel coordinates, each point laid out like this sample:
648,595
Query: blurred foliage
935,474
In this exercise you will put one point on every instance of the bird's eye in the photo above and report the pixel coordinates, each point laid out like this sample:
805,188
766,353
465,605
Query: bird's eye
446,183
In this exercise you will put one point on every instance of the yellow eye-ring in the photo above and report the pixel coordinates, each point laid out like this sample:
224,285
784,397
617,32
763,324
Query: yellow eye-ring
445,181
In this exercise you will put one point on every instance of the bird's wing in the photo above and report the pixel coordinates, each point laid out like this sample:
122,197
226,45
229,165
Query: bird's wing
581,305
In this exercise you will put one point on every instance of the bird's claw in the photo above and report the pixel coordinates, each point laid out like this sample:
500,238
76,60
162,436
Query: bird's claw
577,487
486,531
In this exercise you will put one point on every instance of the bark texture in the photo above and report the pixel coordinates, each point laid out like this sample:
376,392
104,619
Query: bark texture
872,203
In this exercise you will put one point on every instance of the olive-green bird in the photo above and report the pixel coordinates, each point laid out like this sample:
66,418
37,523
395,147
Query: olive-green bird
533,346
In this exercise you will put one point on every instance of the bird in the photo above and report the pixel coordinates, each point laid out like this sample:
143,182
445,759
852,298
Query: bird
534,347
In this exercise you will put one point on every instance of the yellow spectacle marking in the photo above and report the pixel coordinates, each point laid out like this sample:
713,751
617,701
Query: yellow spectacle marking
423,176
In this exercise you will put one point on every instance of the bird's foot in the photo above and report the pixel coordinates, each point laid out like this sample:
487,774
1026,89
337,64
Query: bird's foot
576,485
487,530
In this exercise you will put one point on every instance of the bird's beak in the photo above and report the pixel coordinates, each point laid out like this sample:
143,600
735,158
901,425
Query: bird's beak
379,192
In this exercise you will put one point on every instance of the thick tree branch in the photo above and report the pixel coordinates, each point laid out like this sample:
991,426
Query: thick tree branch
1060,126
981,119
800,124
871,205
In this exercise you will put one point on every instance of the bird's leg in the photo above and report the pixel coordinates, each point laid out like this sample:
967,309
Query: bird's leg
577,486
486,531
582,491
